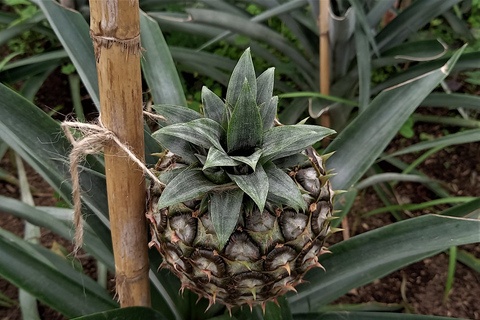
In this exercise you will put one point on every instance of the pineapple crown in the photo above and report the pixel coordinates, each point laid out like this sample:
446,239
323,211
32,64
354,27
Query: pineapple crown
234,149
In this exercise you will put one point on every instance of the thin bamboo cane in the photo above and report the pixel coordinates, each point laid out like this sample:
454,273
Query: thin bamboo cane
324,49
115,30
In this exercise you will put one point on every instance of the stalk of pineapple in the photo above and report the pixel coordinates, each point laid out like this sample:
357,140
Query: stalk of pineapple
246,204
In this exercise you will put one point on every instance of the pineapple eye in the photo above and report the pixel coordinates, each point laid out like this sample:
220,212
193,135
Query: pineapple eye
241,248
319,216
292,224
209,262
185,227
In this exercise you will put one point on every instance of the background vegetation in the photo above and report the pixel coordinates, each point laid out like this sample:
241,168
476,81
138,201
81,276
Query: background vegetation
383,140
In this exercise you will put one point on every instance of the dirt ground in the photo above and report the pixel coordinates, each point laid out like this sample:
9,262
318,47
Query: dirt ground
423,282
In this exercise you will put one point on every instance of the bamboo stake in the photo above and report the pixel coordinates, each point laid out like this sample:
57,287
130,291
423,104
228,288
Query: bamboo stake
324,48
115,30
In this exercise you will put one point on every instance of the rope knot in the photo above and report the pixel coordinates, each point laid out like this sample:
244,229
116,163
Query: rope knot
93,138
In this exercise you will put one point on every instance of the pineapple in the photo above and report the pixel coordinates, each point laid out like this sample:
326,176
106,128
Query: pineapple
246,202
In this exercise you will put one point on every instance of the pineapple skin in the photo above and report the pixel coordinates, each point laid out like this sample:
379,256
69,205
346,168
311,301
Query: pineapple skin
266,256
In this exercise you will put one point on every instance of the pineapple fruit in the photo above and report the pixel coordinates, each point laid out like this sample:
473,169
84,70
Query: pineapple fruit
246,202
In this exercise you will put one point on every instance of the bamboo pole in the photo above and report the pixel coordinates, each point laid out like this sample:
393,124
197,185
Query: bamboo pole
324,49
115,30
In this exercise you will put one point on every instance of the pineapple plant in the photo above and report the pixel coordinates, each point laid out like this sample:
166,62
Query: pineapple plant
246,201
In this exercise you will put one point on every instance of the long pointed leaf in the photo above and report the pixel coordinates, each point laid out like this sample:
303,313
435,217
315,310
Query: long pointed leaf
158,66
282,189
245,130
46,283
202,132
188,185
224,208
283,141
243,70
73,32
255,185
376,126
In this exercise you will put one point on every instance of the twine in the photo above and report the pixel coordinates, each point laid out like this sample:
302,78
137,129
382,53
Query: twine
95,137
131,45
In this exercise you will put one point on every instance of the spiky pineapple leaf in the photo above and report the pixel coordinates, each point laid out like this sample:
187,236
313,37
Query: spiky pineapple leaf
224,208
282,189
213,106
168,175
290,161
250,160
176,145
265,86
202,132
174,114
268,112
219,158
245,126
254,184
243,70
283,141
188,185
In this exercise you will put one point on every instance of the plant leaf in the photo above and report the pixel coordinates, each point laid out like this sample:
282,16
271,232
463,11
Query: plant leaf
374,254
36,275
279,142
175,114
268,112
72,30
243,70
188,185
158,66
219,158
448,140
177,146
224,208
265,84
375,127
213,106
250,160
41,218
349,315
245,126
452,100
278,312
282,189
254,184
125,314
202,132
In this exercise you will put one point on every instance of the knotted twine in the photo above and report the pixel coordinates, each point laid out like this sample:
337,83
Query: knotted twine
94,138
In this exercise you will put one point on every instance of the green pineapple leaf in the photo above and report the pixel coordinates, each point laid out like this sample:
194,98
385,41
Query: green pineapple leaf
213,106
219,158
283,141
290,161
243,70
177,146
224,208
268,111
245,126
254,184
174,114
265,86
201,132
188,185
250,160
283,189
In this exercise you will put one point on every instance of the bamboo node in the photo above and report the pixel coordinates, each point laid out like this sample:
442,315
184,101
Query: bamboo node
130,45
94,138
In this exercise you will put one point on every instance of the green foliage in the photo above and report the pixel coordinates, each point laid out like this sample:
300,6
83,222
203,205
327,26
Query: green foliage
361,143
